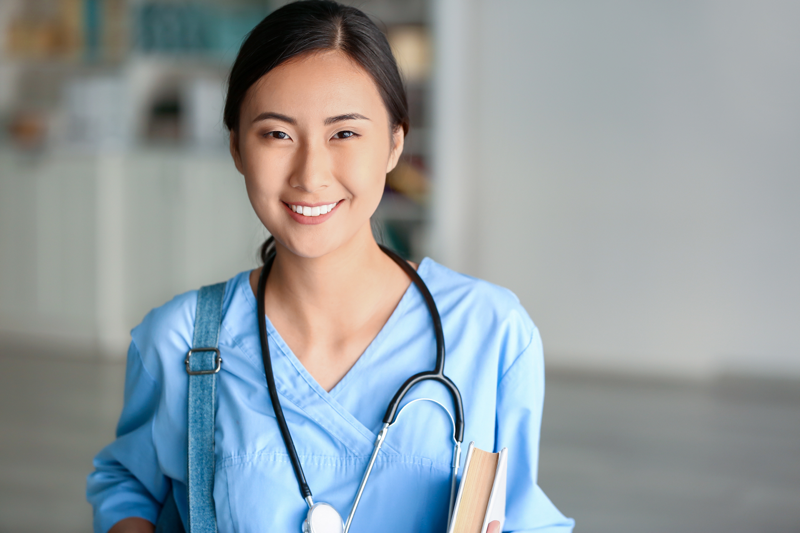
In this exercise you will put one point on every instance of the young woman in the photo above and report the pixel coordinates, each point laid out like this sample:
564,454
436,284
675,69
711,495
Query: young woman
317,116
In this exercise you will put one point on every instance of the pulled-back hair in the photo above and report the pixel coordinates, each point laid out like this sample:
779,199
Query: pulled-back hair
315,25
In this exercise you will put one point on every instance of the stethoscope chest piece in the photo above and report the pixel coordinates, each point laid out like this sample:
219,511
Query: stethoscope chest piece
323,518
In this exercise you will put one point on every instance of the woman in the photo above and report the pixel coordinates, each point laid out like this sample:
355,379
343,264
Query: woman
317,117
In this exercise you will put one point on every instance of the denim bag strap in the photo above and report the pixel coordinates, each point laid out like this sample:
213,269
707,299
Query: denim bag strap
203,362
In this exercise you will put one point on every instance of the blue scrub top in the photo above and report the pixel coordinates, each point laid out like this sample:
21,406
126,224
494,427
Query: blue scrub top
494,355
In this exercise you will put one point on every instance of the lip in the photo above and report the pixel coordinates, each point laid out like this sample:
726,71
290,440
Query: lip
310,221
306,204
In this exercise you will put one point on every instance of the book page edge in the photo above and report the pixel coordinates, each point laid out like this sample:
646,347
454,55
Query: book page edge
496,508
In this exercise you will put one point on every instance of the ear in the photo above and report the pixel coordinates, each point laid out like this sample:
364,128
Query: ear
234,147
398,139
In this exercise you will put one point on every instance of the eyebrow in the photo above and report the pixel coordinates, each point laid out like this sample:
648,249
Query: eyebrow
276,116
340,118
290,120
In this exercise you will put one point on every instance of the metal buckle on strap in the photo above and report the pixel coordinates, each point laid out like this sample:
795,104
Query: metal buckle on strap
202,372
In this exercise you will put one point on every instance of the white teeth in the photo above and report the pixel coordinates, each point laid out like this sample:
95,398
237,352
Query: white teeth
313,211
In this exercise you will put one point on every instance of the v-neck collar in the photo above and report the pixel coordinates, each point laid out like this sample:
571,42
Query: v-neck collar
290,387
374,346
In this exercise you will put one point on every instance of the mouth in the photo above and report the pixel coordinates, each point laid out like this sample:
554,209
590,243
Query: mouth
312,211
311,214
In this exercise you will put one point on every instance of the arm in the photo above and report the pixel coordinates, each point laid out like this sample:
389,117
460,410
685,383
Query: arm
520,398
127,481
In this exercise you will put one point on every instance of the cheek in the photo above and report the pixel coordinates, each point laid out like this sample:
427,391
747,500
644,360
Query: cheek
263,175
364,176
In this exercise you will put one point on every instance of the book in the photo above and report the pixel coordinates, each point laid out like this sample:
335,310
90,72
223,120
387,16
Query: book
481,496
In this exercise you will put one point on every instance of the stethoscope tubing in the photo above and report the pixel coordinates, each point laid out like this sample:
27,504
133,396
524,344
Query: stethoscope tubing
437,374
273,390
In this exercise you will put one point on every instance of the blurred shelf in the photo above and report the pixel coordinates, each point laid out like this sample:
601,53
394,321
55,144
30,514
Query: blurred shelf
396,207
136,78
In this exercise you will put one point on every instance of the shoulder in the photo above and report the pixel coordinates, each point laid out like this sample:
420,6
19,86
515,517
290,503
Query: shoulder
166,332
477,308
460,293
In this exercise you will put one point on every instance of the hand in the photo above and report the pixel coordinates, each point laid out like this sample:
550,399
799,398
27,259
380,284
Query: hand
132,525
494,527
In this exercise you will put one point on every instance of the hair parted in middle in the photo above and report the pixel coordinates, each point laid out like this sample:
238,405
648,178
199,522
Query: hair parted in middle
308,26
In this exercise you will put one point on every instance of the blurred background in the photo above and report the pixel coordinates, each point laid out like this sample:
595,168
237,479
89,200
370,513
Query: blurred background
631,170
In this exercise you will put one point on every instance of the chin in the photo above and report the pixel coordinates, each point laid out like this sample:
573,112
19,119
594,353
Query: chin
311,247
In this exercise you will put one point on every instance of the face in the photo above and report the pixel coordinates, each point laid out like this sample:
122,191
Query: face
314,145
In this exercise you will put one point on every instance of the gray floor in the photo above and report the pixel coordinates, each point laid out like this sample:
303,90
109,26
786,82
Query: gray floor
624,455
618,454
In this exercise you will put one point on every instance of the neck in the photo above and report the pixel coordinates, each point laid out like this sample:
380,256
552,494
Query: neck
333,291
331,277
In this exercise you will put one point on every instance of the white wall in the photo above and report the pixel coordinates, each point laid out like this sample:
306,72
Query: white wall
90,242
632,171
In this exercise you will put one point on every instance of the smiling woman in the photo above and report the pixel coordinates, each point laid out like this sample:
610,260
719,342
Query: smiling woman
311,347
313,132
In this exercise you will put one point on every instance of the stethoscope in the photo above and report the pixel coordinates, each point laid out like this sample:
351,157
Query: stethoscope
323,517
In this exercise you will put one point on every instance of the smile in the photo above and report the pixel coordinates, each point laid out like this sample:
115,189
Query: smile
315,211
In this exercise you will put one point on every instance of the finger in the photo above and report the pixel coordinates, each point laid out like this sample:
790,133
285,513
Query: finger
494,527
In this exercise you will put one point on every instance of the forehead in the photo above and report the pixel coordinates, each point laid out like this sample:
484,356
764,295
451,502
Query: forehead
319,84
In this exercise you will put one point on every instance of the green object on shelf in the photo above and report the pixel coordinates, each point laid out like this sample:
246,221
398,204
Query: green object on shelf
92,30
393,235
200,29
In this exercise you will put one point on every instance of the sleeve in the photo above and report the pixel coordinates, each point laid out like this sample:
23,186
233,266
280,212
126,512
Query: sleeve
127,481
520,398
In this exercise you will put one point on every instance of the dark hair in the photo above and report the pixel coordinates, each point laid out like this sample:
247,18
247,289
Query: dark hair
312,25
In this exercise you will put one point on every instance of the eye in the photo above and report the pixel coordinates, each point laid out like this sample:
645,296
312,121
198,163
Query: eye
277,135
345,134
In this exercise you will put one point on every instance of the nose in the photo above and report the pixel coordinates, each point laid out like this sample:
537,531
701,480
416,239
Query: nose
312,169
